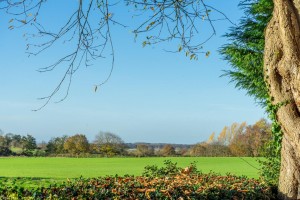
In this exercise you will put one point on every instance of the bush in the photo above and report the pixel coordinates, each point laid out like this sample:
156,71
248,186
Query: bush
4,151
170,169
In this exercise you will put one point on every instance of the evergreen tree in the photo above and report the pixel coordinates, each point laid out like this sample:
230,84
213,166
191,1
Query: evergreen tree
245,51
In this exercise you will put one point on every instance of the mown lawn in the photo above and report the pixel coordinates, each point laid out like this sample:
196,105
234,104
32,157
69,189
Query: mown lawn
62,168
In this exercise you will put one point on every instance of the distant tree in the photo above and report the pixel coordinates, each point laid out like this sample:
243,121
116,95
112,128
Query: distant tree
108,138
56,145
261,134
144,150
167,150
13,140
240,146
109,144
8,139
236,139
28,143
252,140
16,141
211,138
228,133
77,144
199,149
223,136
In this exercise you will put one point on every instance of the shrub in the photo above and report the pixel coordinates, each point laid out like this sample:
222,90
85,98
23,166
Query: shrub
170,169
5,151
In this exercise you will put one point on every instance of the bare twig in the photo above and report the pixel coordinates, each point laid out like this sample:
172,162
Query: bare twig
162,20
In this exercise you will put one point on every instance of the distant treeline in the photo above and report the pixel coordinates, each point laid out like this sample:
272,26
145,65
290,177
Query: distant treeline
235,140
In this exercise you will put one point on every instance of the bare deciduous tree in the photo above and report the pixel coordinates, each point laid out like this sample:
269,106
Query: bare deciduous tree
109,144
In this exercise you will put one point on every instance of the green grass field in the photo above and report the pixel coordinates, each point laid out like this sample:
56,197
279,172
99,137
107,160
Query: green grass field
62,168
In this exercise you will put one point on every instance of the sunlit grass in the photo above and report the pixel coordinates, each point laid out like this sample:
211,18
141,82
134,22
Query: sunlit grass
62,168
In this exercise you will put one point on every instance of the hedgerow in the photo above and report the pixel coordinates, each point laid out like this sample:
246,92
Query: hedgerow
182,186
169,182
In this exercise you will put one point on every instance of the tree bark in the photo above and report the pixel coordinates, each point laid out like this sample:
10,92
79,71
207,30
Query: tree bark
282,74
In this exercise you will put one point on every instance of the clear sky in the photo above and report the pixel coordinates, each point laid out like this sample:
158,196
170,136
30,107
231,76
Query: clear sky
152,96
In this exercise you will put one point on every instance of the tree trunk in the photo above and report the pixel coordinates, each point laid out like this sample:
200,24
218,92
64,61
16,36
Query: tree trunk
282,74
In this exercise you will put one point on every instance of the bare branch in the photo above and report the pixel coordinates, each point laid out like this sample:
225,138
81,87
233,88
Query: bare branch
181,21
176,20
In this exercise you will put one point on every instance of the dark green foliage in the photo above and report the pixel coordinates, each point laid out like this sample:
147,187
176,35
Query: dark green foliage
29,143
5,151
271,166
245,51
56,146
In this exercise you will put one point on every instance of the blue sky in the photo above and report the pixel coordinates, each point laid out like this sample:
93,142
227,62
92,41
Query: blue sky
152,96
